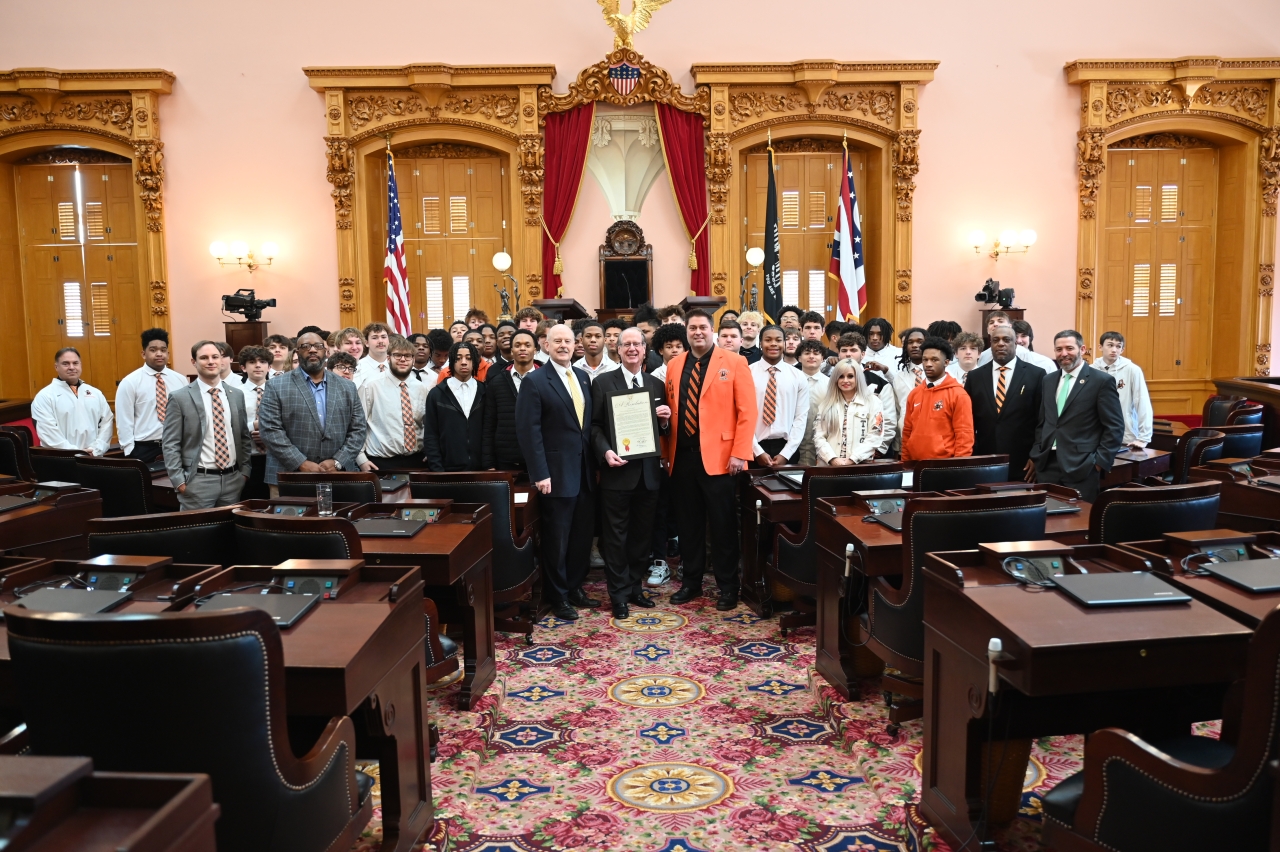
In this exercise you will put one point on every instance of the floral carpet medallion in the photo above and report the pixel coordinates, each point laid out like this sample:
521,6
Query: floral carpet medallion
700,731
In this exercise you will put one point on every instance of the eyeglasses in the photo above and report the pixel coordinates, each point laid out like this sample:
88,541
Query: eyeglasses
630,345
307,347
402,356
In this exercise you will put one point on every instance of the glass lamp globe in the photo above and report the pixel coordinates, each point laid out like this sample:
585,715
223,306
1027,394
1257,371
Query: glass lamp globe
1027,237
502,261
218,249
269,250
755,256
1008,238
239,248
977,239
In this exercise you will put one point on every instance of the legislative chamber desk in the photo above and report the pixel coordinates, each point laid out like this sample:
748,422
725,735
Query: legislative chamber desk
1065,669
59,804
877,553
1245,505
52,528
361,655
1135,466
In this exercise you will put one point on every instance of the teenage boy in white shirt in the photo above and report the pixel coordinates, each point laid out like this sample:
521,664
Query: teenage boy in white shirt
71,414
142,398
594,361
968,350
378,338
1135,401
782,403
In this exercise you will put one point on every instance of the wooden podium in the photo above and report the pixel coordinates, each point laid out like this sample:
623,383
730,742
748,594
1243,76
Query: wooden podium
242,334
710,304
566,310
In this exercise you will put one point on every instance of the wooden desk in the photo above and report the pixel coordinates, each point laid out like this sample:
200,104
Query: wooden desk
59,804
360,656
163,495
1137,465
524,508
455,553
53,528
1243,505
758,531
1066,669
878,553
1168,440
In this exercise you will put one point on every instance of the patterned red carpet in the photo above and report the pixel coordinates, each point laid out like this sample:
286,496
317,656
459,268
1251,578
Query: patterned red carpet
689,729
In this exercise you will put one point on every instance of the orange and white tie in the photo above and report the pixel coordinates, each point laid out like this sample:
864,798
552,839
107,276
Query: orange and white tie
1000,390
162,397
221,454
771,398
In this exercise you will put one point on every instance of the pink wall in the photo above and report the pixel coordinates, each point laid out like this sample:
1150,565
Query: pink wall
244,156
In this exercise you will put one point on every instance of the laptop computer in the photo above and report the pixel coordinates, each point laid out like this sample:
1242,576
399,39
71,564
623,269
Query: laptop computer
9,502
1269,481
393,482
1054,506
77,601
394,527
156,466
1127,589
892,520
285,610
1253,575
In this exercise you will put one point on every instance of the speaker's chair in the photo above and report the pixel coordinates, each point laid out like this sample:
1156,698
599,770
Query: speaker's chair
1139,514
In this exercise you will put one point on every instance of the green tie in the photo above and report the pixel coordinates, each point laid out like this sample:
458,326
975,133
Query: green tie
1064,390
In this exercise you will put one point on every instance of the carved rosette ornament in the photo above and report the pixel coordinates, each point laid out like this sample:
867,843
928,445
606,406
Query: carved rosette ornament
1266,280
1084,289
347,294
902,283
593,84
1270,163
718,283
159,299
341,173
530,168
1263,359
148,171
1090,163
719,173
533,285
906,163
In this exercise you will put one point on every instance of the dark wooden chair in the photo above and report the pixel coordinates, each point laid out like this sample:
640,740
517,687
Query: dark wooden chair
1242,441
200,536
15,455
1194,448
793,562
965,472
125,484
1184,794
1138,514
348,486
191,692
515,565
1218,407
55,465
892,626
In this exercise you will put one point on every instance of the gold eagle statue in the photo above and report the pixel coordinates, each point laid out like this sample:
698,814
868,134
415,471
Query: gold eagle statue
626,26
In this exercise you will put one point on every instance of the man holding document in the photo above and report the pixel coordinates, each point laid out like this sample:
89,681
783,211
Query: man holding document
629,413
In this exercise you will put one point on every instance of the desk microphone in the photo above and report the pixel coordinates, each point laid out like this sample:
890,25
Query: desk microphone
848,558
994,648
759,504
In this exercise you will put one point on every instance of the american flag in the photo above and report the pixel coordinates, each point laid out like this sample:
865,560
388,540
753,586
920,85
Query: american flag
846,249
624,77
395,270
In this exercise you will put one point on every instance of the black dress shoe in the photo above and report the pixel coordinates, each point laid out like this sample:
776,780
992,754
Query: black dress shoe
686,594
727,601
579,599
642,600
620,610
564,612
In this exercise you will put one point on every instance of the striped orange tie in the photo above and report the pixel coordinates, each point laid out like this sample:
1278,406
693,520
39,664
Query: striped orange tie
919,376
771,398
406,417
162,397
691,400
221,454
1000,390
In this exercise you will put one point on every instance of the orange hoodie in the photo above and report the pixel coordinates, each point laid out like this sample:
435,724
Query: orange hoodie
938,422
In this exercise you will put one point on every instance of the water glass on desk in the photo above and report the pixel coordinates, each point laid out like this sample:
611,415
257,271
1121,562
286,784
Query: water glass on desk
324,499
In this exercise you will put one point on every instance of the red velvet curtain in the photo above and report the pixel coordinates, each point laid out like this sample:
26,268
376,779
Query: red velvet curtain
682,144
566,137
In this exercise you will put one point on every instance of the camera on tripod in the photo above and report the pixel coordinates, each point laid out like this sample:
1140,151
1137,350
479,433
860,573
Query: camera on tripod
243,302
992,292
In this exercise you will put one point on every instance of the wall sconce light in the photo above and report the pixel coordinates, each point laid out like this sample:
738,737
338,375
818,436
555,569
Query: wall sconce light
755,257
239,254
502,262
1010,242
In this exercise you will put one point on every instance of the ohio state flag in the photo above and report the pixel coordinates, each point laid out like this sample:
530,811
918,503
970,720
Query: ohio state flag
846,250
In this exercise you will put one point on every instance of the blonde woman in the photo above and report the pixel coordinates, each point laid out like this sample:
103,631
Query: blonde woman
849,426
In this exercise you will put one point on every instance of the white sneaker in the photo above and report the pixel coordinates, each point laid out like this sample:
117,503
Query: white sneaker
659,573
597,561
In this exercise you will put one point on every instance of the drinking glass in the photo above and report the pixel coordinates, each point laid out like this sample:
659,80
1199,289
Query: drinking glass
324,499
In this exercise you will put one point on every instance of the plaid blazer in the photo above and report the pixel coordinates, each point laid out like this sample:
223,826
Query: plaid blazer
291,429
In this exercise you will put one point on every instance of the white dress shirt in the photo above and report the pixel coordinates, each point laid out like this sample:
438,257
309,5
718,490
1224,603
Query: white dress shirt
861,432
904,380
605,366
660,374
517,379
208,456
1024,354
136,414
956,371
630,379
381,400
72,420
464,392
252,398
368,368
888,356
792,407
1135,401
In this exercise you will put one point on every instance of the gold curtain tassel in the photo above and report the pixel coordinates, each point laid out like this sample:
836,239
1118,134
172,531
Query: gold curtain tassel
558,268
693,258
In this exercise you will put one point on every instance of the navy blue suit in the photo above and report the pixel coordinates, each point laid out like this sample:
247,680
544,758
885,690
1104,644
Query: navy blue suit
556,447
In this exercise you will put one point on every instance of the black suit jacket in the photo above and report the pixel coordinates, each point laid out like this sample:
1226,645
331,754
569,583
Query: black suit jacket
641,473
1012,430
555,447
450,440
1090,430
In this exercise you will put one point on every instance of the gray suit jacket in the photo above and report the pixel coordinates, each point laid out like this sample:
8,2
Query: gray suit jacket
184,431
291,429
1090,429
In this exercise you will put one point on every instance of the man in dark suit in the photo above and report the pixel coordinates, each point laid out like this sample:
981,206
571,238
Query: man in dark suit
310,419
500,450
1005,393
628,487
1081,425
553,426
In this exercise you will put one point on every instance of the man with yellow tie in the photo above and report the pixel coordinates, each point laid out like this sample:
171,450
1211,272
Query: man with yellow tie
553,426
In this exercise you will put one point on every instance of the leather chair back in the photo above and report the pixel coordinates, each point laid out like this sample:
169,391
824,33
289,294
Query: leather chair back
1249,414
950,474
1196,447
513,553
348,487
201,536
55,465
125,484
1218,407
15,460
1139,514
182,692
795,555
931,524
270,540
1242,441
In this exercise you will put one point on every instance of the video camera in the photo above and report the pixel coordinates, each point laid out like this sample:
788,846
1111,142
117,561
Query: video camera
243,302
993,292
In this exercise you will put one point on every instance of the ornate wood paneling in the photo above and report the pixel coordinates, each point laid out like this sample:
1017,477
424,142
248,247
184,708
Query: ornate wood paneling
1230,104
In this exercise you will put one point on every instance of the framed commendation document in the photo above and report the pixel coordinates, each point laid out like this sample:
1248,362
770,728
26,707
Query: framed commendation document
633,425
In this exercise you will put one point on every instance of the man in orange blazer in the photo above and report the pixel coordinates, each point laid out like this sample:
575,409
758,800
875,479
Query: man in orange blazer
713,419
